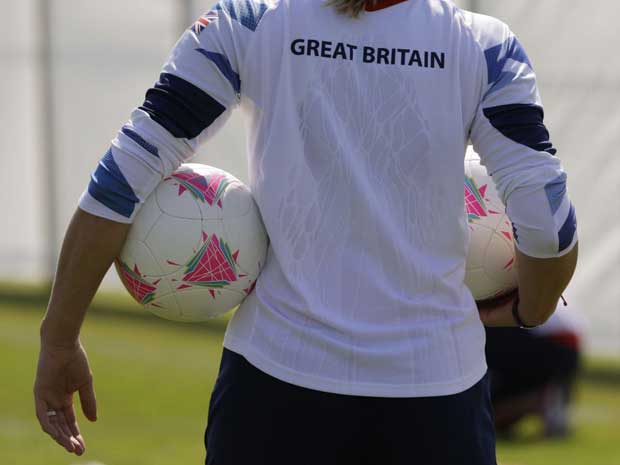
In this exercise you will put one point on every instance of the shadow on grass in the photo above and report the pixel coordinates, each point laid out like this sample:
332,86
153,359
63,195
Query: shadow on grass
106,306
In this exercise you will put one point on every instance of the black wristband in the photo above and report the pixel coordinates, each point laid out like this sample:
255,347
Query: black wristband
517,317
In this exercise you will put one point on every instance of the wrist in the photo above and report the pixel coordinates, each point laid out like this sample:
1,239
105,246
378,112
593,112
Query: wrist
518,318
54,337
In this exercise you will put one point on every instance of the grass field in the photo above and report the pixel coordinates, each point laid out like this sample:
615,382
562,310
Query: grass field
153,381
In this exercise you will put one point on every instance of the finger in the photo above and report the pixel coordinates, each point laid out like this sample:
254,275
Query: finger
55,433
72,421
49,425
41,409
61,421
88,401
72,441
64,435
73,426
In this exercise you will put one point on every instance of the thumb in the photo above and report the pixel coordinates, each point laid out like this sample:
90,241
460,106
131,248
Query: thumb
88,401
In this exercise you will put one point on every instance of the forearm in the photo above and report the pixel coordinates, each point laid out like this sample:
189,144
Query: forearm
541,283
89,248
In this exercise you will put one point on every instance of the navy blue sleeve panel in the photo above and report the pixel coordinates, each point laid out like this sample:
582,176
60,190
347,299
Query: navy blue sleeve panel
523,124
247,12
568,230
503,63
109,186
180,107
224,66
138,139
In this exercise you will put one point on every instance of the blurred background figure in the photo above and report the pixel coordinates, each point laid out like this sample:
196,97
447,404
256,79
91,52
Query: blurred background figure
534,372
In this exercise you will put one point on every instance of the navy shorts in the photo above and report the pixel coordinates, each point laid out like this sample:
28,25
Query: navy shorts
255,419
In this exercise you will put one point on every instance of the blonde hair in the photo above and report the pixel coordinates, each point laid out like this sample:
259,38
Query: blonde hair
349,7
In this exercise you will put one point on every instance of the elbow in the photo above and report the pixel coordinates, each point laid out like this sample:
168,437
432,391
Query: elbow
110,187
548,242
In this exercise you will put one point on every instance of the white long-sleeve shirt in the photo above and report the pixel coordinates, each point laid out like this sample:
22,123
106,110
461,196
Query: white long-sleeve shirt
357,133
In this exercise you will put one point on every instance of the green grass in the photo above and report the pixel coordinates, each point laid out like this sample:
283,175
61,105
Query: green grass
153,379
596,440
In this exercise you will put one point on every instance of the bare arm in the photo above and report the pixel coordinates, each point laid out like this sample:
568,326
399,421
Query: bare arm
185,107
90,246
514,145
88,250
541,283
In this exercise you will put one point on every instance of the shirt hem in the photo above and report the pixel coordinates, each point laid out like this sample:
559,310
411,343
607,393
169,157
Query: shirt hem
88,204
354,389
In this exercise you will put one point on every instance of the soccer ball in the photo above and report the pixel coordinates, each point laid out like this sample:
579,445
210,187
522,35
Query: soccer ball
196,247
491,262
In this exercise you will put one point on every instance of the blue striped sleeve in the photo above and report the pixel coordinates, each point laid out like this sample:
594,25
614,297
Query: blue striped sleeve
109,186
180,107
523,124
509,133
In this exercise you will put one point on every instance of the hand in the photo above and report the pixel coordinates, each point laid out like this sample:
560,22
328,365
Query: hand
60,373
498,312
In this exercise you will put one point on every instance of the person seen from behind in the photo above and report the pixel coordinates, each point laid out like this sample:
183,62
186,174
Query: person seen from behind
360,344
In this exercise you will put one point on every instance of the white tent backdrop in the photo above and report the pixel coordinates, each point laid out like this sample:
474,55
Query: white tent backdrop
105,55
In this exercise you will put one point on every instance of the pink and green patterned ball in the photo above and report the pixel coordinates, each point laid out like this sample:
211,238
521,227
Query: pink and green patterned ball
196,247
491,262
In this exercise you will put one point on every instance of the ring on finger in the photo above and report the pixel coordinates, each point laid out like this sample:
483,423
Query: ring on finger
51,413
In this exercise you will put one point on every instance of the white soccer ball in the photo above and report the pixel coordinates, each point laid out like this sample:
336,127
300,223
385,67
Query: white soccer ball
491,262
196,246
